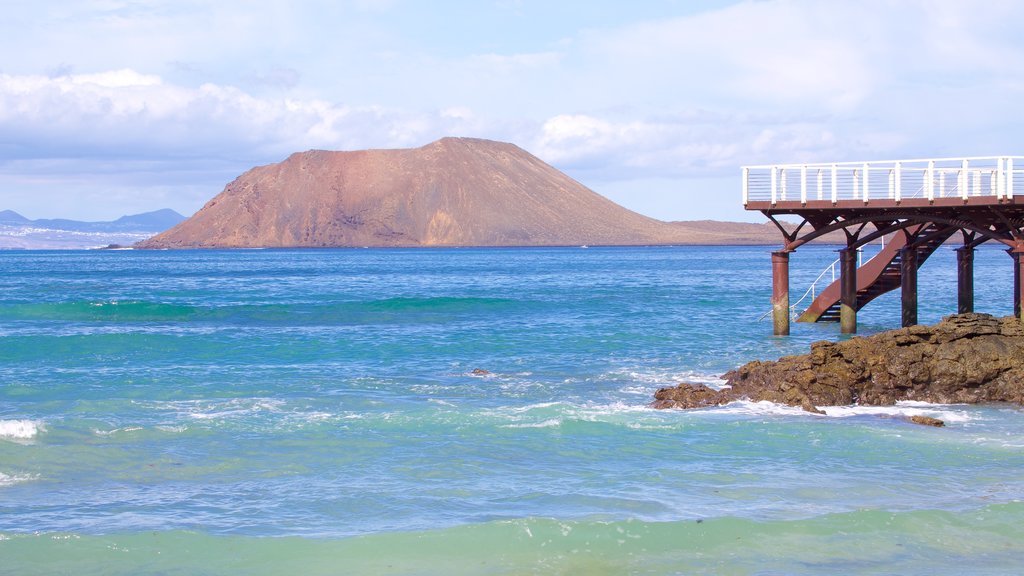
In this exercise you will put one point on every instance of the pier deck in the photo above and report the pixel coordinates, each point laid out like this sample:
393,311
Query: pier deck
918,204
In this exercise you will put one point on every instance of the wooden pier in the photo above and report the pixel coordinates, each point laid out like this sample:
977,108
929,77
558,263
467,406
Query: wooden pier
917,204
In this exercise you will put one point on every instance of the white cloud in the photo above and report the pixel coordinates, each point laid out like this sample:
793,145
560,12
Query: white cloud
123,109
680,94
125,78
121,134
690,145
790,80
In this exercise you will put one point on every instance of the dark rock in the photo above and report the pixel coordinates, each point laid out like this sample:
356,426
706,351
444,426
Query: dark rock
927,421
690,396
966,358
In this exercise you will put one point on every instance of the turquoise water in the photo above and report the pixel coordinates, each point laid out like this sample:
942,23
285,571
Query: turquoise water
317,412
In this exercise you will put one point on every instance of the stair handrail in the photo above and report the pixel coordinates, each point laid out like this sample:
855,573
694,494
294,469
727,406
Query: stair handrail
811,290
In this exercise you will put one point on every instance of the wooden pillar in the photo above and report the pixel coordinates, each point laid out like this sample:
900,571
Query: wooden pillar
780,293
848,292
964,280
908,284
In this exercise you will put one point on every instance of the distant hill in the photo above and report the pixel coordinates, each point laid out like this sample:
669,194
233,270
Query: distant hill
16,231
12,217
157,220
453,192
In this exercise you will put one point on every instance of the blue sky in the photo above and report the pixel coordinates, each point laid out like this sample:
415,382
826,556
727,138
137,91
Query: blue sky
111,107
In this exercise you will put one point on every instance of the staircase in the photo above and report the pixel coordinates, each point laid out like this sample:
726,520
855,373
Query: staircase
880,274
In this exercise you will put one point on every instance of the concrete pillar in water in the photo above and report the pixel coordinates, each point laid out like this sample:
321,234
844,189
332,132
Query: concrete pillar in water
964,280
908,284
780,293
848,292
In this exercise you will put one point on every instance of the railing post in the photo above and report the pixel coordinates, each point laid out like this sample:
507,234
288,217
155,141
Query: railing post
898,177
775,182
803,184
821,182
962,180
1009,178
835,185
1000,180
929,184
977,182
782,183
867,183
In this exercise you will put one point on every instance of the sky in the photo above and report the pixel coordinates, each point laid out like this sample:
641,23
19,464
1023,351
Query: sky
114,107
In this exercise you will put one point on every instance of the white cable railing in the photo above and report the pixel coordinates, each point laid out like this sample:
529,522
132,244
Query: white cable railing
998,177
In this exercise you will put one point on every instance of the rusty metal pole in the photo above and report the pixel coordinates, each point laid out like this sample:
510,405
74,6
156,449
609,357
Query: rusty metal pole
908,284
780,292
848,291
964,280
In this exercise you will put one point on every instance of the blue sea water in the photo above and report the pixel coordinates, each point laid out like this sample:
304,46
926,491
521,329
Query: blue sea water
317,412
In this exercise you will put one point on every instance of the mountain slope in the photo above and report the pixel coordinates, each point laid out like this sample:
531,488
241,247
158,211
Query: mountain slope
453,192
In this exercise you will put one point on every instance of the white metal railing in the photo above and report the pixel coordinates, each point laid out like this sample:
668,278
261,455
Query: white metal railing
993,176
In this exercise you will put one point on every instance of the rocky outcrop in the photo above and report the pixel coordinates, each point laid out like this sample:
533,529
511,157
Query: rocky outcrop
453,192
966,358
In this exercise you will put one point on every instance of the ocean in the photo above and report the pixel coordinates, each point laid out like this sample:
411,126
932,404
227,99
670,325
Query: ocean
468,411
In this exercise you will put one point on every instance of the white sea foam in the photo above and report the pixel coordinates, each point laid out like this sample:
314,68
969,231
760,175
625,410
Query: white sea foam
116,430
550,423
11,480
554,414
19,429
903,409
529,407
225,409
762,408
257,412
657,377
1015,443
592,412
943,412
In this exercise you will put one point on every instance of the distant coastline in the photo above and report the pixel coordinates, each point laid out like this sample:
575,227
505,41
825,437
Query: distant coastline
20,233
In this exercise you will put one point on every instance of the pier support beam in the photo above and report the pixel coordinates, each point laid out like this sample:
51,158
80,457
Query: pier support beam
848,291
780,292
1018,271
964,280
908,284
